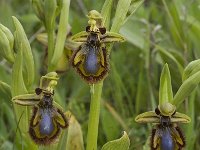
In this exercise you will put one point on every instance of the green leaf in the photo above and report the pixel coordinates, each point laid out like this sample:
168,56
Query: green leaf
175,24
165,90
193,34
38,8
134,6
117,94
18,86
194,24
74,137
8,113
170,56
50,14
140,90
106,13
120,144
62,32
192,68
7,145
22,43
50,8
118,118
133,36
190,79
186,88
190,129
5,91
109,124
120,15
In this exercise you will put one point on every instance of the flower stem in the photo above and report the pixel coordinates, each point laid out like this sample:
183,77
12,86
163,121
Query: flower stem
93,123
50,48
61,36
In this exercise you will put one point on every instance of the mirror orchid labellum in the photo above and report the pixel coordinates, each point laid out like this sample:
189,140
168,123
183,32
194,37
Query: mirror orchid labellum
47,119
166,135
91,59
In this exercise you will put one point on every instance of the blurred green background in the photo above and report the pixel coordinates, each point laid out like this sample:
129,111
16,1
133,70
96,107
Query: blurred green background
159,32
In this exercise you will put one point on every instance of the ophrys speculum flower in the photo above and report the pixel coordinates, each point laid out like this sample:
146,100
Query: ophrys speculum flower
47,119
91,60
166,135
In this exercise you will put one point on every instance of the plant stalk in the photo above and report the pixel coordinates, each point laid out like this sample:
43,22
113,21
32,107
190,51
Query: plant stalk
61,36
50,48
93,123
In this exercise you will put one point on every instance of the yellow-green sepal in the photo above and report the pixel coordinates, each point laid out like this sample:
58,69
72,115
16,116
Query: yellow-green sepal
80,37
110,37
181,118
148,117
26,99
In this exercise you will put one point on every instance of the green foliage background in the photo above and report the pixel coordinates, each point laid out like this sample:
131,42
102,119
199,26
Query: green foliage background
159,32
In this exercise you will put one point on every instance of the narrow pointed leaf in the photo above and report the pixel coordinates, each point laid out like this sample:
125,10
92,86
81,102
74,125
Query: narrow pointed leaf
62,32
50,14
120,15
106,13
5,90
186,88
109,124
38,8
190,129
175,24
192,68
134,6
22,44
18,86
170,56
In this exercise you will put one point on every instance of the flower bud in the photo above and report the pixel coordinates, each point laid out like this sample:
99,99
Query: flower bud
6,44
8,34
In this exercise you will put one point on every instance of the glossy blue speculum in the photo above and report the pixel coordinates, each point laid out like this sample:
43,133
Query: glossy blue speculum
91,63
46,124
167,142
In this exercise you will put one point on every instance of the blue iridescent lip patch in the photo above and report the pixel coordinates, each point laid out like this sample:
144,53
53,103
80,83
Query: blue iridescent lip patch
47,118
91,59
166,135
46,121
